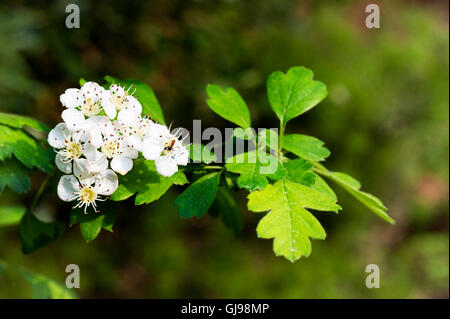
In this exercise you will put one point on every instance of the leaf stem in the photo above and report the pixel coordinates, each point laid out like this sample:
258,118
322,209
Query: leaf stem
40,192
280,140
213,167
320,169
205,167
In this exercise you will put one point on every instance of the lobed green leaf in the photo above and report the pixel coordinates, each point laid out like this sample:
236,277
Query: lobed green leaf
288,222
228,104
19,121
25,148
252,169
299,171
294,93
14,175
306,147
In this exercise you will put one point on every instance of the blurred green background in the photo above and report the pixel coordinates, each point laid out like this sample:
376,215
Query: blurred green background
385,121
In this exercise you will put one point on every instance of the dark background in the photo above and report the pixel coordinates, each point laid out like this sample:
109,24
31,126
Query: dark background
385,121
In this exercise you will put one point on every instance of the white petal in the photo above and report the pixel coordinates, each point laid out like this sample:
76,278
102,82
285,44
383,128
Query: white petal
97,120
71,98
129,152
91,132
68,186
92,90
109,108
158,131
117,89
145,126
106,182
182,157
166,166
90,151
95,136
106,126
99,164
134,142
57,136
81,168
65,167
126,147
128,118
132,104
118,127
121,164
151,150
88,181
74,119
97,160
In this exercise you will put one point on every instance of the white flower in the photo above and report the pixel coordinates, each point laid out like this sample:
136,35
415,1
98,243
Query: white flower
117,100
120,150
80,103
71,146
165,149
138,132
87,190
86,141
167,165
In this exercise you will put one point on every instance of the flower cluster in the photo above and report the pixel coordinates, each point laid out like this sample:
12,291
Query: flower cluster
102,132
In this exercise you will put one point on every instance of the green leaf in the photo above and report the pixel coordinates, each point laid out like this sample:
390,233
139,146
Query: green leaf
322,186
200,153
110,80
11,215
294,93
225,205
25,149
19,121
82,82
288,222
180,179
44,287
90,229
306,147
268,138
299,171
228,104
14,175
35,234
347,180
231,180
198,197
92,223
244,134
146,182
352,186
253,171
145,95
